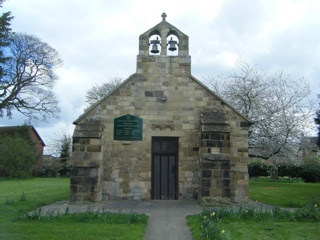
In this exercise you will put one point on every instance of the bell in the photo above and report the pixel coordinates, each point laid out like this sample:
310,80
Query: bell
172,45
155,48
155,43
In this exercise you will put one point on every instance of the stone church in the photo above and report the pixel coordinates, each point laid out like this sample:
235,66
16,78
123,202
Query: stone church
161,134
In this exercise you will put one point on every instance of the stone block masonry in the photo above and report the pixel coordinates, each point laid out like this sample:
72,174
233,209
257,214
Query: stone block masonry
221,181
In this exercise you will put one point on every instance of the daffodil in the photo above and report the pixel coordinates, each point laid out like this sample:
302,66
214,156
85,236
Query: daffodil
222,231
212,214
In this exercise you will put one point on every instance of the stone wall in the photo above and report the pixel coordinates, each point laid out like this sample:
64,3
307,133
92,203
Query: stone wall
126,165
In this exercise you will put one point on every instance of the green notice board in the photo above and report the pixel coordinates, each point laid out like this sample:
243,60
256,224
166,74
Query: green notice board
127,128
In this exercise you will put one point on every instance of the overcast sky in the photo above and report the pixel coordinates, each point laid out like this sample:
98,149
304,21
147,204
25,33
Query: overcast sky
98,40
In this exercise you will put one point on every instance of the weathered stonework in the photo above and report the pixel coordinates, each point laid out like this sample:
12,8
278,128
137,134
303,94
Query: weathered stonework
224,156
211,162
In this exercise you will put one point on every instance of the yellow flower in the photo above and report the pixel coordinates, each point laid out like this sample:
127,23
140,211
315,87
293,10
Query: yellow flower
222,231
212,214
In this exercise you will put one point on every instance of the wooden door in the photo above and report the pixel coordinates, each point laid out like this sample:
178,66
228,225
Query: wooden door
164,167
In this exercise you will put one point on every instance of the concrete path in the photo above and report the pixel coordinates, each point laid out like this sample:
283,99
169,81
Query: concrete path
167,219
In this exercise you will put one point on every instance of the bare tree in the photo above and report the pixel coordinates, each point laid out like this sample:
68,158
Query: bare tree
317,121
99,91
58,142
60,147
28,79
277,106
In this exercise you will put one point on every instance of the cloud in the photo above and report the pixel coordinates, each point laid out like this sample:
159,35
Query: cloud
98,40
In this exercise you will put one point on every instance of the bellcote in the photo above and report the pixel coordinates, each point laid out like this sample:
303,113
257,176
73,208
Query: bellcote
162,37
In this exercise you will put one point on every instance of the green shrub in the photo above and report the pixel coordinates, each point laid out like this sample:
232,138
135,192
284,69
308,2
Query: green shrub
311,170
308,171
17,156
309,212
258,168
85,217
291,170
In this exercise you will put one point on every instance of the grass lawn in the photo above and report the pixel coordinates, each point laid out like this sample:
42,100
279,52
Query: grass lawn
247,224
20,196
263,230
284,194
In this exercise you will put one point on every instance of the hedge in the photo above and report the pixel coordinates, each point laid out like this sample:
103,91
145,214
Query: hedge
309,170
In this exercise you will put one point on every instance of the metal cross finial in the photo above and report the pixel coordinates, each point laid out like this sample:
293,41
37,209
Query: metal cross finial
163,15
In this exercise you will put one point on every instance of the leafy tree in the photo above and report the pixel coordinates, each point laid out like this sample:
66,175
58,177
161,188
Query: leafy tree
99,91
275,104
5,30
17,154
65,153
28,79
